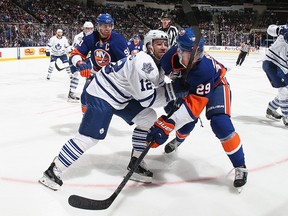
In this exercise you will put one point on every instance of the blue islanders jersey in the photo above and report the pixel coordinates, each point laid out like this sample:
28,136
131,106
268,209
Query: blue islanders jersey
201,80
134,48
103,51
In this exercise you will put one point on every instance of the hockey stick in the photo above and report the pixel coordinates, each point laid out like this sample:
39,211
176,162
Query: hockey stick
59,69
91,204
192,21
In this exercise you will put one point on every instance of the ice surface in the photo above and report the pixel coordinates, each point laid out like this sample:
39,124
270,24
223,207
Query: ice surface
36,120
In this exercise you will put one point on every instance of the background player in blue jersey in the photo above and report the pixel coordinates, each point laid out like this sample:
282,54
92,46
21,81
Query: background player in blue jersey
135,45
208,88
105,46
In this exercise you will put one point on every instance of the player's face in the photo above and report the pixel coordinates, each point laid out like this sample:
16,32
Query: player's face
88,30
59,34
184,57
105,30
160,47
136,40
165,22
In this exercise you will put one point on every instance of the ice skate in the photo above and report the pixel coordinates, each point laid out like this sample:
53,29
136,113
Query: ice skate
51,178
285,120
172,146
141,174
72,97
48,76
240,180
274,115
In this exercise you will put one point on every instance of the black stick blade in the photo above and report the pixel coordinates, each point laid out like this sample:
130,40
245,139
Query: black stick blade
189,15
90,204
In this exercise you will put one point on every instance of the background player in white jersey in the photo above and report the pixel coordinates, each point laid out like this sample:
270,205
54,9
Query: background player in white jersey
57,48
275,65
166,26
88,28
128,89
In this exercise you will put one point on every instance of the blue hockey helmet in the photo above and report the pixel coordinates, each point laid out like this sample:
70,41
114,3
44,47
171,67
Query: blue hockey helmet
186,39
136,36
104,19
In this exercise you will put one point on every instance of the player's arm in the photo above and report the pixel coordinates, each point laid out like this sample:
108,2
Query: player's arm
78,56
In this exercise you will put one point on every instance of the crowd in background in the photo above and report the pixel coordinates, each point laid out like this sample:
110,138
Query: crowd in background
33,22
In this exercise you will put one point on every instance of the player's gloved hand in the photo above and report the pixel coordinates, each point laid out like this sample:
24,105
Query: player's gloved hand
175,89
180,88
84,69
160,131
173,105
47,53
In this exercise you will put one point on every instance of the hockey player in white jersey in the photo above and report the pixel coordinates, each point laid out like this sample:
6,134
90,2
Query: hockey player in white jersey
57,48
275,65
129,89
88,28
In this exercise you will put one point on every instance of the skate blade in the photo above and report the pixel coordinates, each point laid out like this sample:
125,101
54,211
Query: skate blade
48,183
272,118
139,178
73,100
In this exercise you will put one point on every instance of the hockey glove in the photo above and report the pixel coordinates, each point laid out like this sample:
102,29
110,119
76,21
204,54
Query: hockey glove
47,53
84,69
160,131
180,88
173,105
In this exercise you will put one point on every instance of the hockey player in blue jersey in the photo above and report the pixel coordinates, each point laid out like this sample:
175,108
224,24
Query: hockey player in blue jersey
105,46
208,88
275,65
129,88
135,45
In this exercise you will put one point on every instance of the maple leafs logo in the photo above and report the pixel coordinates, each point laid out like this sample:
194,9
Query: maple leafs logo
147,68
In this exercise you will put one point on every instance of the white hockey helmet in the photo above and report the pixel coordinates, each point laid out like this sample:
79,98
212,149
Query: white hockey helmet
88,25
150,37
59,31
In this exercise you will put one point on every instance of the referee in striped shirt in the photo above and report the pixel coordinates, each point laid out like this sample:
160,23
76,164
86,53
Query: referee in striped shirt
172,31
244,50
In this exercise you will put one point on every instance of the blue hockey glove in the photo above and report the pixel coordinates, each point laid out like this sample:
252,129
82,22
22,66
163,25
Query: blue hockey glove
47,53
84,69
160,131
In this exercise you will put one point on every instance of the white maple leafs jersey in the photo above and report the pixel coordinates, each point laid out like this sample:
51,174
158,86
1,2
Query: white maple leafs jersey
134,77
278,51
78,39
58,46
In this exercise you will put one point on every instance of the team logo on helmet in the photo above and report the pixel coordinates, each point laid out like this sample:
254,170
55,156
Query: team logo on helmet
147,68
102,57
